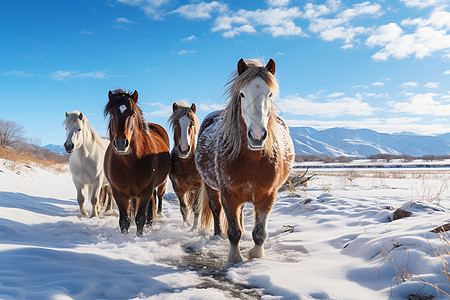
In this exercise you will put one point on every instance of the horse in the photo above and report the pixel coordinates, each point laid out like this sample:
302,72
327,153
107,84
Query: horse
87,151
137,160
244,154
186,180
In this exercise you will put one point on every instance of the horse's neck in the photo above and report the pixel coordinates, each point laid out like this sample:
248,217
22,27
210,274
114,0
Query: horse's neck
141,139
90,140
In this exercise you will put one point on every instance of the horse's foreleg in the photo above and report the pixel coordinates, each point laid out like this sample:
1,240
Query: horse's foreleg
94,194
259,233
80,198
195,208
142,205
160,192
109,195
183,207
216,208
231,206
151,209
124,209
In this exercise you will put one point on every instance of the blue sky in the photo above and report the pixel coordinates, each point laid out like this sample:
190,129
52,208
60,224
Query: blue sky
382,65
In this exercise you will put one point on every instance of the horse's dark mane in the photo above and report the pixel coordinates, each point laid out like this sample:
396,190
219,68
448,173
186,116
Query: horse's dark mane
121,97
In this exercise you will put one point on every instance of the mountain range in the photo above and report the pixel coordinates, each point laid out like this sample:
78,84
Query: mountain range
365,142
354,142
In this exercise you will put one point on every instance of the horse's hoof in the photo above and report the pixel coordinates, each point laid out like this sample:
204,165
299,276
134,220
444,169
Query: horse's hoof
256,252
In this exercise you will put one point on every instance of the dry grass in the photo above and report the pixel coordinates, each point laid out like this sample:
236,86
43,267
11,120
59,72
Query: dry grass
427,191
20,159
439,252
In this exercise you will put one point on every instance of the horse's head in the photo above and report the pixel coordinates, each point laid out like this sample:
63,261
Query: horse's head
125,118
74,124
185,127
256,93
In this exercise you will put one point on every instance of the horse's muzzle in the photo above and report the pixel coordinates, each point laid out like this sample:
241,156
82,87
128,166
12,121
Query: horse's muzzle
184,154
121,145
68,147
256,144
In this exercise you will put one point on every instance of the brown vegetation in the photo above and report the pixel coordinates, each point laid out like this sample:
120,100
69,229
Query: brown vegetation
42,157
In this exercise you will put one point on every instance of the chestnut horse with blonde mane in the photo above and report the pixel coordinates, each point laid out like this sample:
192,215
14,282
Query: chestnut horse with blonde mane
137,160
245,154
186,180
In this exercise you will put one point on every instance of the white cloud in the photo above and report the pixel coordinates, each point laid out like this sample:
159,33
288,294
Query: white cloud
275,21
422,104
209,107
200,11
162,110
384,35
378,83
66,75
388,125
446,72
189,38
340,27
313,11
296,105
123,21
86,32
17,73
183,52
429,36
365,8
408,84
421,3
278,2
335,95
432,85
152,8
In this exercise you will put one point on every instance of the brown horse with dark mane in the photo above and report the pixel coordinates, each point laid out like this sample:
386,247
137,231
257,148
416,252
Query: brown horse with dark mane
137,160
245,153
186,180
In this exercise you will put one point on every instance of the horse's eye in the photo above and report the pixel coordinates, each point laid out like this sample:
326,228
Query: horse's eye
242,95
270,95
79,129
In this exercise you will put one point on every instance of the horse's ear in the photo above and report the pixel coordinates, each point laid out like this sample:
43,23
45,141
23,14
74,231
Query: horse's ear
67,114
242,66
80,116
110,94
135,96
193,107
174,107
271,66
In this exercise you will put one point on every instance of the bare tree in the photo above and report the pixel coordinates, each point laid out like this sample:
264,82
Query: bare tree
10,133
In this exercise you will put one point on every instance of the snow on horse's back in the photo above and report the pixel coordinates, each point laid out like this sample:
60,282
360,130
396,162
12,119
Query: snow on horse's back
87,151
245,154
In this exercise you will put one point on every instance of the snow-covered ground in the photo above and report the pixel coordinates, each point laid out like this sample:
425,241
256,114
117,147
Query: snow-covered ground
332,240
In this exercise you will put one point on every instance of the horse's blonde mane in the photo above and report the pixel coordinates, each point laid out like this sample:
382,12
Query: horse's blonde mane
88,131
230,115
184,109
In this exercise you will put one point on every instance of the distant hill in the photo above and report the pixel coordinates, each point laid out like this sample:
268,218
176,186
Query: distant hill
55,148
365,142
354,142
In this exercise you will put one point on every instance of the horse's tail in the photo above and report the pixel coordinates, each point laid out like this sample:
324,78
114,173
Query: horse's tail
205,213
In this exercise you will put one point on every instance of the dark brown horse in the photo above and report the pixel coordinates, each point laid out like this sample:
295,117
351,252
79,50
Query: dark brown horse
137,160
245,153
186,180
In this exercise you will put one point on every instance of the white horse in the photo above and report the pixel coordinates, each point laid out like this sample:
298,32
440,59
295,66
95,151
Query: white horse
86,160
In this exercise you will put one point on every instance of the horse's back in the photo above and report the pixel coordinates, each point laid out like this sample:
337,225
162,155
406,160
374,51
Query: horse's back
207,148
160,131
286,149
